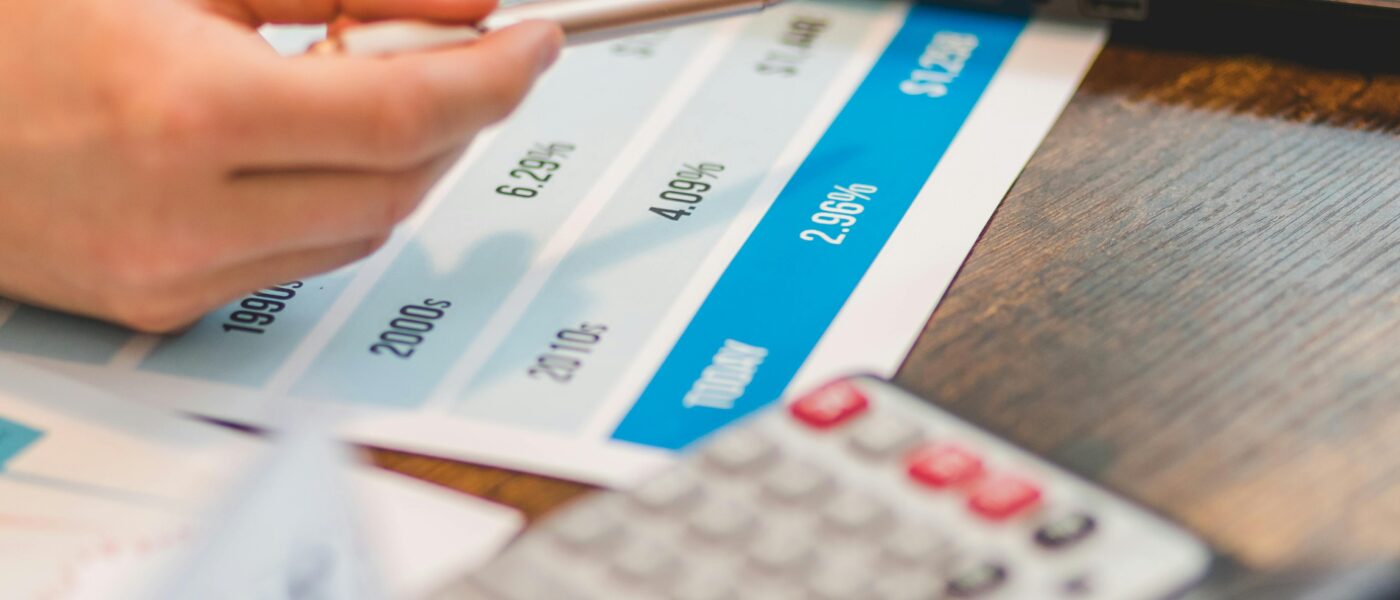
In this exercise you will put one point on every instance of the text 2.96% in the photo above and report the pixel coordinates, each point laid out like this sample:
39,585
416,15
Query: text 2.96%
838,213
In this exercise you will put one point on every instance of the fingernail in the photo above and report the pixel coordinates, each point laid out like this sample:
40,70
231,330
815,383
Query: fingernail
551,47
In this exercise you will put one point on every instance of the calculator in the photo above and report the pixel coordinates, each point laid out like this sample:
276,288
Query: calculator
856,490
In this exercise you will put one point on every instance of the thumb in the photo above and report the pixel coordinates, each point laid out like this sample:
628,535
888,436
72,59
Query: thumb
260,12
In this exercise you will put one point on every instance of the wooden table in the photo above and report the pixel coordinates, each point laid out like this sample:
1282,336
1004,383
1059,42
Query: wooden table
1192,294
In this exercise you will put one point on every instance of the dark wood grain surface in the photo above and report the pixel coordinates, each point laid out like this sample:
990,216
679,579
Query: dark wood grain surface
1192,294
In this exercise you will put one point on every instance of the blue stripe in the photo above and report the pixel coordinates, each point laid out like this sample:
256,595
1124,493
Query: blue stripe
14,438
782,292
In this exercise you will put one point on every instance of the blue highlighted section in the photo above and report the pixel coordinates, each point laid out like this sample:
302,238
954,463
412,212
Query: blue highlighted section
38,332
799,266
631,265
14,438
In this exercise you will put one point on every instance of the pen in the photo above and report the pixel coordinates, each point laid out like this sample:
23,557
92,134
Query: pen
582,20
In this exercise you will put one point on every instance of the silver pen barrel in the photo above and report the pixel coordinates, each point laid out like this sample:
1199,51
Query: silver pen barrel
594,20
582,20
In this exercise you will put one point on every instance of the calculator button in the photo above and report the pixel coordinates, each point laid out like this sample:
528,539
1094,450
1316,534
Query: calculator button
839,583
722,520
781,549
740,450
916,546
913,585
1004,497
830,405
590,526
1079,586
645,562
944,465
880,436
704,585
796,481
1064,530
518,577
856,513
677,488
977,581
771,589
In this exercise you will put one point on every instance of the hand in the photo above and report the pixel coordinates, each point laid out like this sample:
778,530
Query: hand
158,159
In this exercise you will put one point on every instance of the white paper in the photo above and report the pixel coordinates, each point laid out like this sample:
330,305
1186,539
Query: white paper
125,495
637,257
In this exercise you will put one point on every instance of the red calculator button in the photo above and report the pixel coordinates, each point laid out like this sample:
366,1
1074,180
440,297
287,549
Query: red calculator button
1004,497
944,465
830,405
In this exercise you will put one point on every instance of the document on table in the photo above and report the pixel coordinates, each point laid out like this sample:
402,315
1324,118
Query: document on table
107,499
674,229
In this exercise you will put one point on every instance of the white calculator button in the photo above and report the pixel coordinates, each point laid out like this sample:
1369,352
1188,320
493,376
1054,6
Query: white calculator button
677,488
840,583
917,546
519,577
704,585
771,589
854,512
644,561
883,436
977,580
722,520
797,481
781,549
587,527
1077,586
911,585
741,450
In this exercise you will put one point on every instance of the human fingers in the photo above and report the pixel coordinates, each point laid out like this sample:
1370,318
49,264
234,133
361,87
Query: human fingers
394,111
260,12
272,212
186,301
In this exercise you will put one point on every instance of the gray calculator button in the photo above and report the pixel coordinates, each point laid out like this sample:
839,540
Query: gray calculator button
883,435
857,513
587,527
740,450
913,585
1065,530
1078,586
704,585
646,562
796,481
917,546
516,577
677,488
771,589
722,520
840,584
977,580
781,549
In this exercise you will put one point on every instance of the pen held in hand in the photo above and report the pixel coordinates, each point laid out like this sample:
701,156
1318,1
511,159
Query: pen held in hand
582,20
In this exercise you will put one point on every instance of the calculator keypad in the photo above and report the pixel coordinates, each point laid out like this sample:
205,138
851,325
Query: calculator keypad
857,491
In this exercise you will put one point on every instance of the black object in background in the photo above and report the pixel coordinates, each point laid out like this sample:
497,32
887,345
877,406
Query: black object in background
1370,581
1137,10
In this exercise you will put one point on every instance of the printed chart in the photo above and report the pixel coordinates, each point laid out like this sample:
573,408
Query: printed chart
673,230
